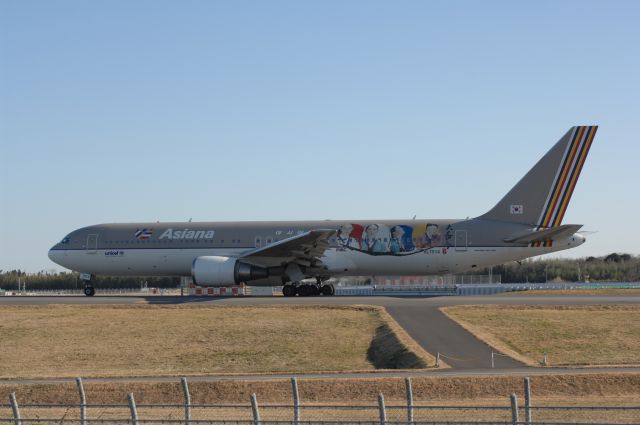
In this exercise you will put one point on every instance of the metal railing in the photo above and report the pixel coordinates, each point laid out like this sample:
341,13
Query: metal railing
297,413
102,291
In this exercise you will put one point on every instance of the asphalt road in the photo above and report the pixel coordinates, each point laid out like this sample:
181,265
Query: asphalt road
419,316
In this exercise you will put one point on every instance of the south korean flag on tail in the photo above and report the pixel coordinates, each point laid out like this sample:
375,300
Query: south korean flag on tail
516,209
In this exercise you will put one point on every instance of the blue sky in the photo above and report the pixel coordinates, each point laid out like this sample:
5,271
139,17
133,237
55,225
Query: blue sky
245,110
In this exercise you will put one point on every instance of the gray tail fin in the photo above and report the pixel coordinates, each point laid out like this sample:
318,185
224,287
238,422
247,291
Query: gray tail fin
541,197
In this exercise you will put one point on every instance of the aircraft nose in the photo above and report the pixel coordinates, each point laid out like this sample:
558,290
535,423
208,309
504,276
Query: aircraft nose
53,255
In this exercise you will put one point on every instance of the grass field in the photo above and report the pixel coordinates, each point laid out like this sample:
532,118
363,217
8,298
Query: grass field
600,292
571,335
568,389
58,341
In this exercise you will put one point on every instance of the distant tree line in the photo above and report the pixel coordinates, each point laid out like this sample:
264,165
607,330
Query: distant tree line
612,267
71,280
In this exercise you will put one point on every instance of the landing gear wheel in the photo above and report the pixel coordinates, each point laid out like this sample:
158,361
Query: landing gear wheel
327,290
89,291
314,290
304,290
289,291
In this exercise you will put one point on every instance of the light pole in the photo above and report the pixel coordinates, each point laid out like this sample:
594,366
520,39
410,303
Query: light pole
546,273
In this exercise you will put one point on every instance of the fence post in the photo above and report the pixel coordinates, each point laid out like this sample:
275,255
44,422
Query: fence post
527,401
187,401
254,408
296,401
132,408
514,409
492,361
544,359
383,410
15,408
83,402
438,359
407,383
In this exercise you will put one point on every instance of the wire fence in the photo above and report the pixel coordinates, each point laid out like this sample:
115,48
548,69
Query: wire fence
409,412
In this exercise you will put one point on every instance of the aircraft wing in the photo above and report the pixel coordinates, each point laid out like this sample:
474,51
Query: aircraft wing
545,234
303,249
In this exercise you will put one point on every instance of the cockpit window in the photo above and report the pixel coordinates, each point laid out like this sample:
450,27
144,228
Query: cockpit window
66,240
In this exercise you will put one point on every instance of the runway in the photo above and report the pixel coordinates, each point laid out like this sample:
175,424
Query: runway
419,316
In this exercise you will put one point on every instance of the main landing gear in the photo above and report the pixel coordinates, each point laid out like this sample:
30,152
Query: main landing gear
89,291
308,289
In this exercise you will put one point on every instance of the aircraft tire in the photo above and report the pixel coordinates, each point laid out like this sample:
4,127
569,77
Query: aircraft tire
304,290
327,290
89,291
289,291
314,290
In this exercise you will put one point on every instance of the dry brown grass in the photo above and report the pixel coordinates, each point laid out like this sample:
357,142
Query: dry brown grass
571,335
149,340
598,292
568,389
426,389
395,412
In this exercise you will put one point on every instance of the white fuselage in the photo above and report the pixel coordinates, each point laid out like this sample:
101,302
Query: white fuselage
340,262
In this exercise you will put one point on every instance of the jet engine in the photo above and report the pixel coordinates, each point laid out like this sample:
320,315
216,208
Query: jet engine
224,271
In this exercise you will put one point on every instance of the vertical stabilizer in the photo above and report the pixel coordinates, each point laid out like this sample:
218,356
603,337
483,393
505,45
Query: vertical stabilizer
541,197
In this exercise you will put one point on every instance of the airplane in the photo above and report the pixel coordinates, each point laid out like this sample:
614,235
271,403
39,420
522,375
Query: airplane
526,222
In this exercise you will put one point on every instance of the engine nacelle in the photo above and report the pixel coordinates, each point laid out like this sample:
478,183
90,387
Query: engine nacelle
224,271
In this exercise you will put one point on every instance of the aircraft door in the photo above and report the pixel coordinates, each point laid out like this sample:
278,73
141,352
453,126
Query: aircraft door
92,243
461,240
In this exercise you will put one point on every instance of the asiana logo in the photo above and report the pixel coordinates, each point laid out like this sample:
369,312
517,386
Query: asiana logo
187,234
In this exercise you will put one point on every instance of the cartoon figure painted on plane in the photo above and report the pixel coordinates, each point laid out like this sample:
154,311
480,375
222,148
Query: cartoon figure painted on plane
430,238
350,235
372,241
401,239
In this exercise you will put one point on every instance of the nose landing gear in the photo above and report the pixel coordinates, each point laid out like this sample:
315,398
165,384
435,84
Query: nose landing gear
88,287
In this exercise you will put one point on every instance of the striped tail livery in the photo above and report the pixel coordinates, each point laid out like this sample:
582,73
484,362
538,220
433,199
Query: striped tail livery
541,197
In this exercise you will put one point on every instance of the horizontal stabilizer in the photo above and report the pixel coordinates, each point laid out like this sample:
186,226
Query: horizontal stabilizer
545,234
